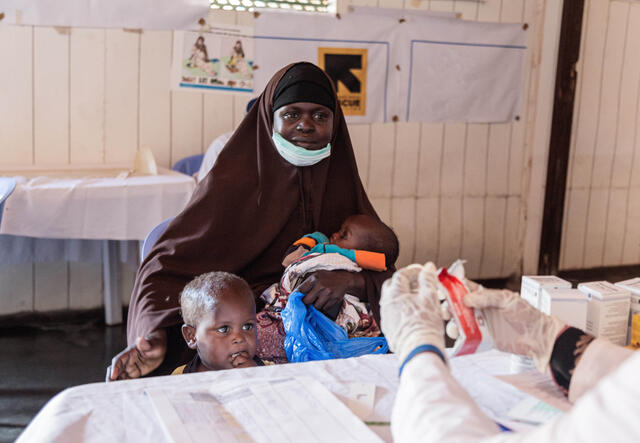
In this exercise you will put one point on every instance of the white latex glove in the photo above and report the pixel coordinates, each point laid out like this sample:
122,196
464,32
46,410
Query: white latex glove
516,326
410,311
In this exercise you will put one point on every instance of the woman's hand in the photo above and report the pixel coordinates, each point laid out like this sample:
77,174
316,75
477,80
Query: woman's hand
515,325
326,289
139,359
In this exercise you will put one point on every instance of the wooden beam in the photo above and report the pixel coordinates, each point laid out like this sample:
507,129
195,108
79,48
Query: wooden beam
560,141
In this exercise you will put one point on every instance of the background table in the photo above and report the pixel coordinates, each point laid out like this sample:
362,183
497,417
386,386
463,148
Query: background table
101,203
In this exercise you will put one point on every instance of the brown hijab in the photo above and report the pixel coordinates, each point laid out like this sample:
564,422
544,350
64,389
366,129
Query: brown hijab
242,218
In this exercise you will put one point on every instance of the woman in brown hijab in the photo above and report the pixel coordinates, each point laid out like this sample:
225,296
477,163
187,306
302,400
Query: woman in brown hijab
288,169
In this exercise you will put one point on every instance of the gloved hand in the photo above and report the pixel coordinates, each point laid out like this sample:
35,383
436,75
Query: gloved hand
515,325
410,311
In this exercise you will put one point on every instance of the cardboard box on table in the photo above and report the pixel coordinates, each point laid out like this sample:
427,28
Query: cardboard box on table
532,286
607,311
633,286
530,290
569,305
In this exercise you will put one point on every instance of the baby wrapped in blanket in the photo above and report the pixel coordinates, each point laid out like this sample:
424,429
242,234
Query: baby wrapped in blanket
361,243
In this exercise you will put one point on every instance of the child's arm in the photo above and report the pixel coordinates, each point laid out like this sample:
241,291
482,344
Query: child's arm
374,261
302,246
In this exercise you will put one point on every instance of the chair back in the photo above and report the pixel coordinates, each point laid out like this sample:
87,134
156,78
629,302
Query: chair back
152,237
189,165
7,186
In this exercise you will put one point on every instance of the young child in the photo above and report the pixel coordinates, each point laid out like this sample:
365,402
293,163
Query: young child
366,241
219,312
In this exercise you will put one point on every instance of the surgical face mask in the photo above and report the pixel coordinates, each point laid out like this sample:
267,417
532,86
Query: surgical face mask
298,156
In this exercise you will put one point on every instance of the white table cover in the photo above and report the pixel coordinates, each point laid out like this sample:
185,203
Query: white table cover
88,206
120,411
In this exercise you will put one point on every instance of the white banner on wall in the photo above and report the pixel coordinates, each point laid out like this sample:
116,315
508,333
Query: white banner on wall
356,53
144,14
410,68
462,71
218,60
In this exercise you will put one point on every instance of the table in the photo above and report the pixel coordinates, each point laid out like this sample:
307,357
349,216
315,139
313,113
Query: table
120,411
107,203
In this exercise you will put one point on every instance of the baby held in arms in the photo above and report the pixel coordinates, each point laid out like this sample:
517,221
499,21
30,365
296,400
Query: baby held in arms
363,242
366,241
219,313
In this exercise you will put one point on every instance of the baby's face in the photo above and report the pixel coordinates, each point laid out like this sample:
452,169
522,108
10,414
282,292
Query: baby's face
226,337
351,233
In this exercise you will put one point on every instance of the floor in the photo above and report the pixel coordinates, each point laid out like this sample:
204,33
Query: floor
40,359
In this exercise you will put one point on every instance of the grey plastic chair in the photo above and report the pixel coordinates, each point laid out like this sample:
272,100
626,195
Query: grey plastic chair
152,237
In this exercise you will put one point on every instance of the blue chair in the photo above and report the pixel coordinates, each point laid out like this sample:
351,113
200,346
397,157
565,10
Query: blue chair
7,185
189,165
152,237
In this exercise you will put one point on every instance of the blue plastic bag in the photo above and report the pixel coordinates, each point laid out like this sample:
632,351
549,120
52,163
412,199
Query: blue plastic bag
310,335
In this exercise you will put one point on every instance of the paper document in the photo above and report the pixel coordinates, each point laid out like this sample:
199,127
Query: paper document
499,400
534,411
540,386
298,409
362,399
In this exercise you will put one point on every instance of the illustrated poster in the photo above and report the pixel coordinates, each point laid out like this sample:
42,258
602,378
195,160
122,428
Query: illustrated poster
221,59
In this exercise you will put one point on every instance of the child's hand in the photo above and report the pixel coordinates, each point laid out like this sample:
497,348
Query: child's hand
139,359
242,360
294,253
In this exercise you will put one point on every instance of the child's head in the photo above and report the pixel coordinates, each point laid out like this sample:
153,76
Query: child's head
219,313
365,233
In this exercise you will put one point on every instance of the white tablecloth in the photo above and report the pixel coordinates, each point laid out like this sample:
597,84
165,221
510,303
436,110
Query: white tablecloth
96,204
120,411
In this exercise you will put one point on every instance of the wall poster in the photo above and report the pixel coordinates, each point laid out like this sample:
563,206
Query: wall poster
221,59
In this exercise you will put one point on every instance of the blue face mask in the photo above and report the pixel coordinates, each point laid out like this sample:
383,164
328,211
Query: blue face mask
296,155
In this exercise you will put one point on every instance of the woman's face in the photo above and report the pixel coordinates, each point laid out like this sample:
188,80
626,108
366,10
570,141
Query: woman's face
308,125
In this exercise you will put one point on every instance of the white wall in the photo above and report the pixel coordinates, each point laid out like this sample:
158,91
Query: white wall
94,96
602,210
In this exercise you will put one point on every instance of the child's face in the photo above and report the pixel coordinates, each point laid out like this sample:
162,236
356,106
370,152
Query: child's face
351,233
226,337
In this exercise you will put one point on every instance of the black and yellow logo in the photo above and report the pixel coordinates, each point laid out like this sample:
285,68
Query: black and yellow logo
347,67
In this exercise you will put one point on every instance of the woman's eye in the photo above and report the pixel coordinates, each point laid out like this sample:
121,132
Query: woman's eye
247,327
290,115
223,329
320,116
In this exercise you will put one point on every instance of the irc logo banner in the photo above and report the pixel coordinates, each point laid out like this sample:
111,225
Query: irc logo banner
347,67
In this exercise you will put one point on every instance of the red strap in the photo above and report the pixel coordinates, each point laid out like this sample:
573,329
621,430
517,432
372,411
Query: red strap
463,313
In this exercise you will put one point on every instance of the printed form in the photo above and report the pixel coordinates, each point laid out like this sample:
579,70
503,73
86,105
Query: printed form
298,409
509,400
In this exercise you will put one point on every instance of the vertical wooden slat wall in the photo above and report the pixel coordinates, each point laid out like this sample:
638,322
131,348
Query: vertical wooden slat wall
602,210
83,96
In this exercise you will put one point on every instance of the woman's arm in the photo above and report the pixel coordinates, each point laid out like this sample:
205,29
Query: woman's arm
325,289
431,406
599,359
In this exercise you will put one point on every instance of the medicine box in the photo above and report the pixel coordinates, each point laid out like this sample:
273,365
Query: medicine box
569,305
607,310
533,284
633,286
